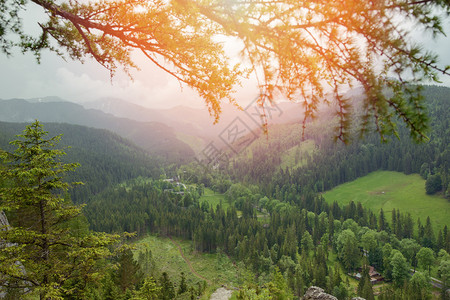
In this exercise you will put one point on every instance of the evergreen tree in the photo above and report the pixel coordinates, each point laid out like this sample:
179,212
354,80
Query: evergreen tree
364,285
149,291
362,281
290,52
129,273
367,292
382,225
44,254
167,288
433,184
428,239
183,286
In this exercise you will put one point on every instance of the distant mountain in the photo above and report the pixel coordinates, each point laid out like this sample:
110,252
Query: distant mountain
195,126
156,138
105,158
124,109
46,99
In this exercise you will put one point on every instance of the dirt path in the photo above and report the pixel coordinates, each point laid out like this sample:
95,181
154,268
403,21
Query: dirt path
188,262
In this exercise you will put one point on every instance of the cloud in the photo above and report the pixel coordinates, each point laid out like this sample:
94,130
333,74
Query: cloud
22,77
83,88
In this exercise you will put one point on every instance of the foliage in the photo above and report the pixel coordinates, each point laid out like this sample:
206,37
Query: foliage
444,273
167,288
149,290
260,246
348,251
295,48
409,249
44,252
420,286
331,164
433,184
183,287
129,273
425,258
364,285
400,268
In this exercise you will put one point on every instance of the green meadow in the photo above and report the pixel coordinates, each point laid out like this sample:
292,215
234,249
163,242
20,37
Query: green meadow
389,190
217,269
214,199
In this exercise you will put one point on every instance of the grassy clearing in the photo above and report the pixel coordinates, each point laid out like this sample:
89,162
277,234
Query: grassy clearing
389,190
218,269
214,199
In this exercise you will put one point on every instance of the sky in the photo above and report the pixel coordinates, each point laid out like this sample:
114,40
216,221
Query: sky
22,77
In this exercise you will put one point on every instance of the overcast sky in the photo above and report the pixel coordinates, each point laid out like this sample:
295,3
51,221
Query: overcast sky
22,77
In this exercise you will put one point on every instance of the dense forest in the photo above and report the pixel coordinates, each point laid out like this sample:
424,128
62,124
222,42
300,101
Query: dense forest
105,158
294,241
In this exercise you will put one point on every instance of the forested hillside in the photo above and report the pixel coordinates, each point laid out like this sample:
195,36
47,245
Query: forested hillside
105,158
293,247
330,163
155,138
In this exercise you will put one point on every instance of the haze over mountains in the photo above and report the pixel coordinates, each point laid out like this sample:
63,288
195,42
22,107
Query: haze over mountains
176,134
199,122
156,138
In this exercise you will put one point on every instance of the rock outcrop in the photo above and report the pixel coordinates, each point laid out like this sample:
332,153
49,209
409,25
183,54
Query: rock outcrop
4,224
317,293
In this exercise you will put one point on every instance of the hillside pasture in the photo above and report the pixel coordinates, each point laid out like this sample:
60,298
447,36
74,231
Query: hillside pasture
389,190
174,255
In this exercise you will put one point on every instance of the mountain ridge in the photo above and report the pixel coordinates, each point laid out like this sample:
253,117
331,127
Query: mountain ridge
156,138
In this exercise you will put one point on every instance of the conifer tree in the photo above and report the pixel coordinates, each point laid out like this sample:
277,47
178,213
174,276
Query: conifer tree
364,285
149,290
382,225
129,272
43,254
183,286
428,239
167,288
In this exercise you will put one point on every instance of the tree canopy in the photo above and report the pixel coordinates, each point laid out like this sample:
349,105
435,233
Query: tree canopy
299,50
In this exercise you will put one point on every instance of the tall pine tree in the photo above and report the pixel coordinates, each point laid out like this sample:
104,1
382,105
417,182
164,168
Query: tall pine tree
44,255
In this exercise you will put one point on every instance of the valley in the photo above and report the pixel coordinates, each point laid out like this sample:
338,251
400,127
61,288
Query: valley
285,211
